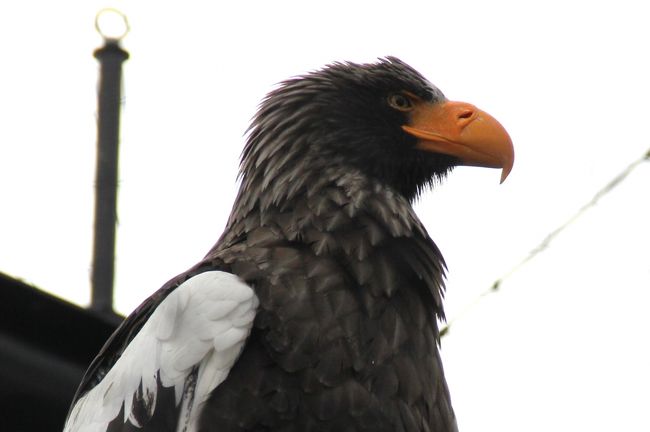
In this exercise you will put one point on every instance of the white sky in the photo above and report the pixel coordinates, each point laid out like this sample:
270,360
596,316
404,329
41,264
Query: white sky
563,346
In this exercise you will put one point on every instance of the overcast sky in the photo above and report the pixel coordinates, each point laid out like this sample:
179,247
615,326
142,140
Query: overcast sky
562,346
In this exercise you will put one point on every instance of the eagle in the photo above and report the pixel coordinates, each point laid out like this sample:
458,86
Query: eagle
318,307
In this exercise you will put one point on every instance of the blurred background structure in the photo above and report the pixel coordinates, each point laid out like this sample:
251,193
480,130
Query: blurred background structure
46,345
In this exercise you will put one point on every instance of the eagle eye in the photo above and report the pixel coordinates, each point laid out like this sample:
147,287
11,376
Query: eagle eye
400,102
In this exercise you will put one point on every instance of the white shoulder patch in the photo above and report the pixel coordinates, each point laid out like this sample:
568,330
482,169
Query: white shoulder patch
203,323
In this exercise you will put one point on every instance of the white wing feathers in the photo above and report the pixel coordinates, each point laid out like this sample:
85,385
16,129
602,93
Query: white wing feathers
203,323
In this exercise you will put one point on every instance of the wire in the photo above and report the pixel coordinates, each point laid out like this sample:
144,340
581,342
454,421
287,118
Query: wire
544,244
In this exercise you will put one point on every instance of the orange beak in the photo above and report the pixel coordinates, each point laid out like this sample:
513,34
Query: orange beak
461,130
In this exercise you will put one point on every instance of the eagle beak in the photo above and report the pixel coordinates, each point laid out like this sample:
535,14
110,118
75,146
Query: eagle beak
461,130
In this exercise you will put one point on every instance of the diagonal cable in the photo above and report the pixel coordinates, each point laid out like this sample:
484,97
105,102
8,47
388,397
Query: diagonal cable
544,244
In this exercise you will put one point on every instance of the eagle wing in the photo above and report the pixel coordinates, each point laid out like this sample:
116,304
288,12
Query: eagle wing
161,365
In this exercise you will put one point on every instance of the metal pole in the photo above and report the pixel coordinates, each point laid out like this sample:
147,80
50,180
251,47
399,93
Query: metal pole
110,56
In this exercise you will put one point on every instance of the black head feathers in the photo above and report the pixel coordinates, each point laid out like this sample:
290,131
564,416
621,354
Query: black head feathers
341,116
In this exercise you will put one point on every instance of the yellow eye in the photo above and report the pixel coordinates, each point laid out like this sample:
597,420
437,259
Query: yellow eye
400,102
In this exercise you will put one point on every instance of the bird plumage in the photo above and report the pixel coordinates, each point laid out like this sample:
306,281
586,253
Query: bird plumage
342,286
188,345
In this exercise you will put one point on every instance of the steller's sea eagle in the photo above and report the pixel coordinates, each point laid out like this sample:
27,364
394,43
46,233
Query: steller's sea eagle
317,308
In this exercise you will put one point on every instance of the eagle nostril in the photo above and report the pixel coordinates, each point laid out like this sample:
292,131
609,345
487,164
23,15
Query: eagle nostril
465,114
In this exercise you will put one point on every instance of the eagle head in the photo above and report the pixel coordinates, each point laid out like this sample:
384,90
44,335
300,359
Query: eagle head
383,119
